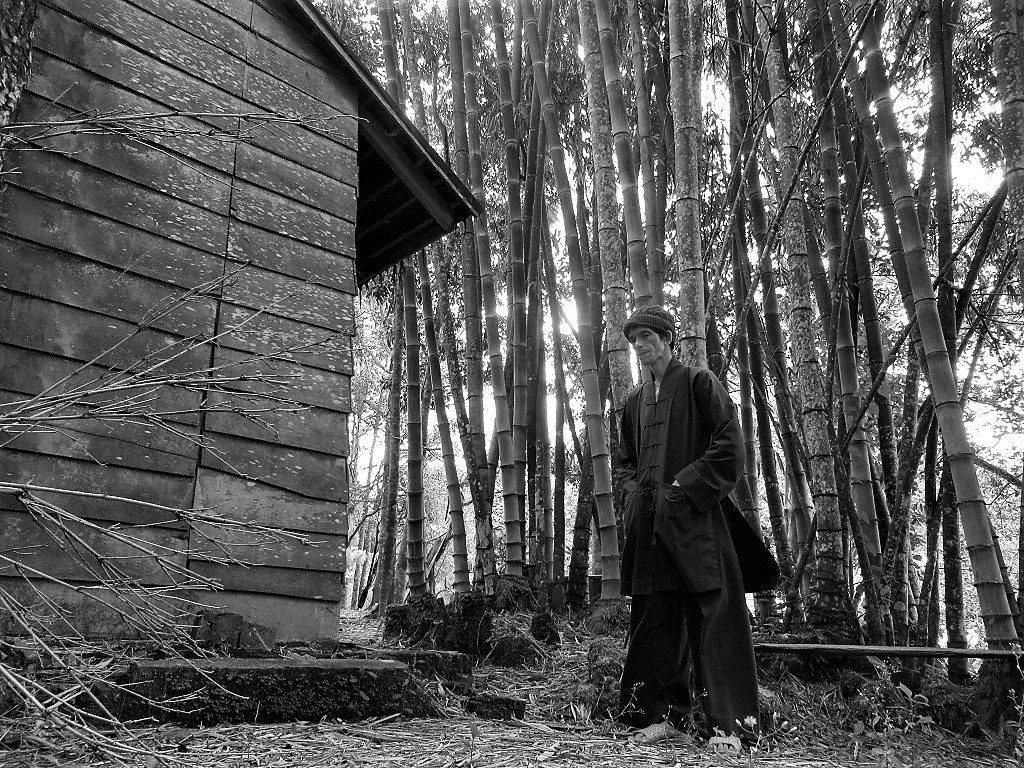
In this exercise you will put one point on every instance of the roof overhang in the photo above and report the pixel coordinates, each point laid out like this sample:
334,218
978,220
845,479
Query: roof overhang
408,196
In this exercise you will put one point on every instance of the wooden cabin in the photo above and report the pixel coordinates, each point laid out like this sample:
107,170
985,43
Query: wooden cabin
189,170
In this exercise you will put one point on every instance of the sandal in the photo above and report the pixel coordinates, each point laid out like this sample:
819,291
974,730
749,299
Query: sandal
726,745
653,734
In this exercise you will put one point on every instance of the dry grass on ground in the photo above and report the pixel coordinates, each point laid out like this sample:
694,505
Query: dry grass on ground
557,733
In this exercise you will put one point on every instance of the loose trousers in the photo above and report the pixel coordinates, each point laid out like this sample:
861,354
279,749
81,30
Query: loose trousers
673,629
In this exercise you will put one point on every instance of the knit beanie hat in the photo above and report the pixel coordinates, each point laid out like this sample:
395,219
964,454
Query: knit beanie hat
651,317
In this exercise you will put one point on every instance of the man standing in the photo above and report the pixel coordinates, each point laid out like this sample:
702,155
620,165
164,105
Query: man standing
680,454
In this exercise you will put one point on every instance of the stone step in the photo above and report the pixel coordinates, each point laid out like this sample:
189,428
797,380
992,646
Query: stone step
452,667
230,690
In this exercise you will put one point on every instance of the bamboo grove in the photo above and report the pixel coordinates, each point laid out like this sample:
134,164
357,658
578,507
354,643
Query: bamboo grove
780,177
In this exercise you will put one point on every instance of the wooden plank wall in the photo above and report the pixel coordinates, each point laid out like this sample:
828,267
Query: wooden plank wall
99,228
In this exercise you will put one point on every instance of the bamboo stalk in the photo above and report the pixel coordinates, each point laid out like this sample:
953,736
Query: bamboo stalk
1020,551
636,254
510,489
558,502
973,511
384,590
831,607
454,487
473,441
866,297
740,114
615,293
546,513
860,467
516,254
928,618
1008,58
581,292
654,247
685,62
414,427
885,651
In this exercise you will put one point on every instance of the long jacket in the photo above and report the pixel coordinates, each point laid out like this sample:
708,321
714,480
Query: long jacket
689,434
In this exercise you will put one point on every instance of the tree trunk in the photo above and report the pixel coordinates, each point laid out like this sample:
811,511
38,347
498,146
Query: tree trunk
894,237
663,127
516,252
545,514
654,248
749,480
929,606
558,555
563,412
579,561
389,527
615,295
473,441
17,22
901,594
952,561
739,125
821,277
1011,598
484,566
414,454
386,16
973,511
510,490
835,243
758,219
1020,552
588,360
775,362
685,64
636,256
455,510
865,283
401,587
1008,58
831,610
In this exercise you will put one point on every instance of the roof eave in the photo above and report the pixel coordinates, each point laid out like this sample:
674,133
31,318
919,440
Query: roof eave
381,105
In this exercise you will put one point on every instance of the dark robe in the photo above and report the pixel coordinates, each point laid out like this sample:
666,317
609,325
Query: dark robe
678,560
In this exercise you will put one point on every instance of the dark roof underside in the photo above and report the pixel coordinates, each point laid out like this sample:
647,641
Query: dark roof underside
408,196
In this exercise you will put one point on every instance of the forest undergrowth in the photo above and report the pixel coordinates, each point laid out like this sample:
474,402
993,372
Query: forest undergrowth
839,720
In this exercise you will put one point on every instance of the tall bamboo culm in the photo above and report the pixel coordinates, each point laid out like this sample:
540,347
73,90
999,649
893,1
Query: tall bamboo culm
515,250
1008,58
830,609
994,608
385,584
414,432
391,576
769,358
654,247
685,63
615,293
473,440
837,253
515,555
867,300
581,292
636,255
451,473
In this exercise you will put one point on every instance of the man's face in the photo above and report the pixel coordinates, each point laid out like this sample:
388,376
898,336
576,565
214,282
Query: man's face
648,344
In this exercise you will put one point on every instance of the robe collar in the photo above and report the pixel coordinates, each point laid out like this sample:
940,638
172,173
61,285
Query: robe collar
669,382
